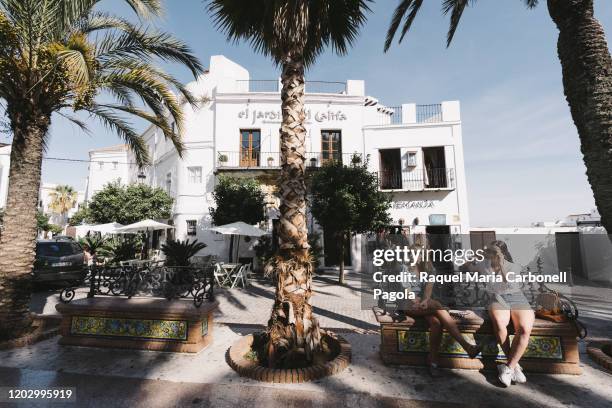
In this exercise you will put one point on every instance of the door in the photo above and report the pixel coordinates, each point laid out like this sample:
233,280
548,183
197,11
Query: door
331,146
250,146
390,169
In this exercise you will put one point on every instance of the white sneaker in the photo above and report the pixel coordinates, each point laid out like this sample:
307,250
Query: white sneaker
518,376
505,374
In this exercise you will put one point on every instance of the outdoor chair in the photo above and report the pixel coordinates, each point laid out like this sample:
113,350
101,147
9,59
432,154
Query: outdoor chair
220,275
239,276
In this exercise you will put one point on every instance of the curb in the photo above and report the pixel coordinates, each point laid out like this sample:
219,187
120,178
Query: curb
250,369
596,353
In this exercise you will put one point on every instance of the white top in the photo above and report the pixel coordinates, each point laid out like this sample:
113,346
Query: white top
498,288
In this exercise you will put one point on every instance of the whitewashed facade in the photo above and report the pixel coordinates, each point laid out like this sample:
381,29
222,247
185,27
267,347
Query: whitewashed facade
416,150
44,198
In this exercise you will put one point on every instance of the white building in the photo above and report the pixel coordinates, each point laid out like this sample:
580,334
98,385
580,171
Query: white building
44,204
417,151
44,199
108,164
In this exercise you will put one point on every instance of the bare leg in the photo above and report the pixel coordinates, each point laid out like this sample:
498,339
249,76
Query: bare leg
523,323
450,325
435,338
500,318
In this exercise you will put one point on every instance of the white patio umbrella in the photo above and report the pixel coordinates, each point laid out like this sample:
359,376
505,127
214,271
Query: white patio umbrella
145,226
238,228
109,228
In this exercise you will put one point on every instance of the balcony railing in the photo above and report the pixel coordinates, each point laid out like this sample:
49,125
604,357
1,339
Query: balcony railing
274,86
233,160
429,113
417,179
394,115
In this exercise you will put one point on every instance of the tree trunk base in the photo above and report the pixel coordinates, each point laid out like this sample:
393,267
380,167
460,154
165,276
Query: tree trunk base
293,337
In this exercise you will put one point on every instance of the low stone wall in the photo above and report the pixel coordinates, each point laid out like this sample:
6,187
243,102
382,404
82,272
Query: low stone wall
553,347
137,323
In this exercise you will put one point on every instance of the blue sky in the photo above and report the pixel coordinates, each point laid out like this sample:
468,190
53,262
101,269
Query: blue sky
522,153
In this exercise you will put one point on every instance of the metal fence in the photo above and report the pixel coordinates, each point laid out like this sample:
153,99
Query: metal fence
274,86
270,160
429,113
155,280
417,179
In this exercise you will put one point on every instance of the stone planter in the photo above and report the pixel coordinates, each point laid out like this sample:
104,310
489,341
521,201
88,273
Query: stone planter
341,357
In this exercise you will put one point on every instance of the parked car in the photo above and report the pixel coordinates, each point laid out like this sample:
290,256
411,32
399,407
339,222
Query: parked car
58,260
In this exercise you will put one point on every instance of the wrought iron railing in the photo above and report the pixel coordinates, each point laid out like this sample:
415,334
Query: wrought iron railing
417,179
429,113
253,159
273,86
155,280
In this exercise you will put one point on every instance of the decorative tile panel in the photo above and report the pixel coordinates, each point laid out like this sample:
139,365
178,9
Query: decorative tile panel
129,328
544,347
205,326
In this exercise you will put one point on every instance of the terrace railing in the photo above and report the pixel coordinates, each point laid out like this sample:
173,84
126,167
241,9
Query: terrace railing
154,280
429,113
271,160
417,179
394,115
274,86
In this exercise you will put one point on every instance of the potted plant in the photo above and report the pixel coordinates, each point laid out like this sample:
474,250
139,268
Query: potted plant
355,159
222,159
270,161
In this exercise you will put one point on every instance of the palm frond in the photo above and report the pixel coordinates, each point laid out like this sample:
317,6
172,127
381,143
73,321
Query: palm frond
456,8
161,122
138,43
411,7
82,125
305,27
118,125
154,93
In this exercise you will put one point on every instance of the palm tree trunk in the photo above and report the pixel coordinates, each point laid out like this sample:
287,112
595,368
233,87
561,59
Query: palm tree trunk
293,332
18,243
587,80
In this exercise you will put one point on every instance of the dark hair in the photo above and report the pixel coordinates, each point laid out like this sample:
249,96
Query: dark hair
504,249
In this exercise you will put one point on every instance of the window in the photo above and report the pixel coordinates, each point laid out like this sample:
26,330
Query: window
191,227
331,145
411,159
195,175
390,169
434,161
250,147
115,165
169,183
101,165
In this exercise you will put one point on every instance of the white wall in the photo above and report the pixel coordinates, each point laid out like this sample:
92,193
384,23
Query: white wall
106,167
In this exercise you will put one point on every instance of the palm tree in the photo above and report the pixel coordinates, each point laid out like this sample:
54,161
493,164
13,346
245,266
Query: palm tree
587,80
63,199
62,56
293,33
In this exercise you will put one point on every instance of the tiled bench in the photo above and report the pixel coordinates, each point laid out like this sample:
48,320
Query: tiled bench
137,323
553,347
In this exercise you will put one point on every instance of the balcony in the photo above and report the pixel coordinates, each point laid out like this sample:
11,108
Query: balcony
417,180
254,160
419,114
274,86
